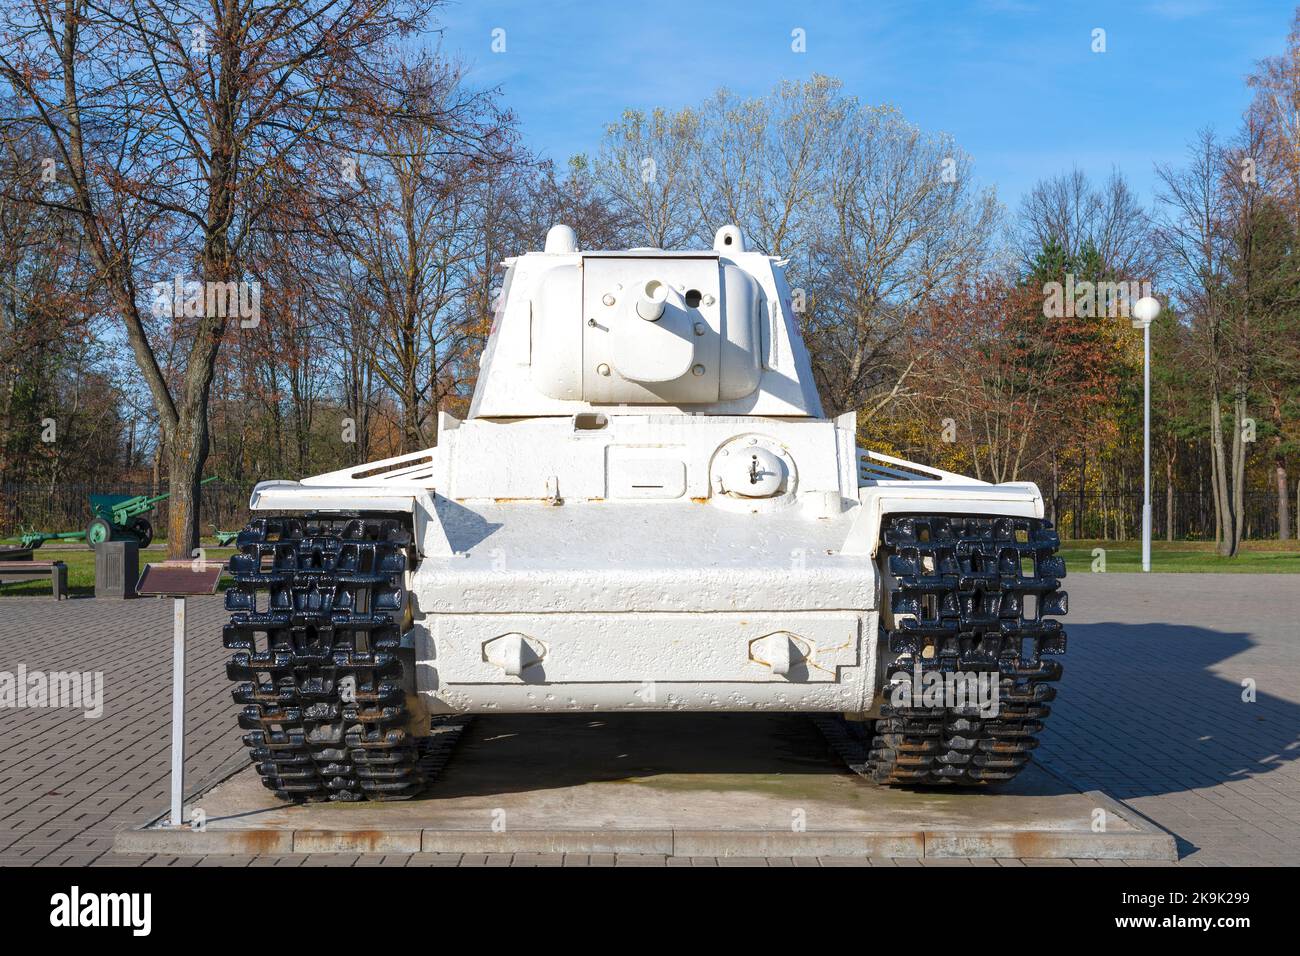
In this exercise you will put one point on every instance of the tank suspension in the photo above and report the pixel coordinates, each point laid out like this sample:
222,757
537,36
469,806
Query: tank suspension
317,609
971,599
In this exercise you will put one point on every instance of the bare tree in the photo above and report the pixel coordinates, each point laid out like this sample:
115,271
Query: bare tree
902,223
530,199
1275,113
413,228
181,127
1194,232
1068,212
763,163
647,166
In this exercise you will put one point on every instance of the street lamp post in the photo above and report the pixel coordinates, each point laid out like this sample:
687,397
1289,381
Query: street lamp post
1144,312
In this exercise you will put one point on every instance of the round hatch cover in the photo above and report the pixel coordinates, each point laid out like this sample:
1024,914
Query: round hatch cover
753,466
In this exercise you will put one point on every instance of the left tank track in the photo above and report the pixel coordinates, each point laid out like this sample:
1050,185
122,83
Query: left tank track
317,609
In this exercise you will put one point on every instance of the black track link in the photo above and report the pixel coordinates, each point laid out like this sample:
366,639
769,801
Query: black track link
316,617
968,594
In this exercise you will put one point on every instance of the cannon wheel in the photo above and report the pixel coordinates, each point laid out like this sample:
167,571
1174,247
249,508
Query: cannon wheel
142,529
98,531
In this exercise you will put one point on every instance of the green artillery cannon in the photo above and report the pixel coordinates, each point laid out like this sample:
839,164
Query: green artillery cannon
34,539
116,518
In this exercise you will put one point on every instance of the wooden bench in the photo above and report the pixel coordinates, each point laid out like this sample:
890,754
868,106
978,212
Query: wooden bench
20,570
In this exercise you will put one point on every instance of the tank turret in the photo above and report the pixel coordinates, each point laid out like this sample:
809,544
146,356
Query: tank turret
709,332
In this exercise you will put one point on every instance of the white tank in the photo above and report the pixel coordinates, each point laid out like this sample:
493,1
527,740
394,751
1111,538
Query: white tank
646,509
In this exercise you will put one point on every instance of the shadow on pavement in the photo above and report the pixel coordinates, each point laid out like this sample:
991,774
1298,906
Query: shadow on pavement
1143,709
1154,709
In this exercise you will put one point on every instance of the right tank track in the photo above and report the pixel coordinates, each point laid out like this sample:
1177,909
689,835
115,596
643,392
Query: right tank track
957,589
317,611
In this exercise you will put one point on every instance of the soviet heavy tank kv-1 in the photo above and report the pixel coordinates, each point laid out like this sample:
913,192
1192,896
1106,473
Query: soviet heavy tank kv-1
645,509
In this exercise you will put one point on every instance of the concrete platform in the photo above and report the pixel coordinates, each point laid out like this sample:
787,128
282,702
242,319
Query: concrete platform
677,784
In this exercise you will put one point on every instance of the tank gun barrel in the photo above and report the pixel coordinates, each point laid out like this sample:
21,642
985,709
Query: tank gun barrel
651,300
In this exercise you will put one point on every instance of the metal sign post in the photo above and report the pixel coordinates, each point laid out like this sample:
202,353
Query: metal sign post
178,709
178,580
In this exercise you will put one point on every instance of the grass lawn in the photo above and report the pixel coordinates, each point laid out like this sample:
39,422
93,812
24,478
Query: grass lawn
81,569
1256,557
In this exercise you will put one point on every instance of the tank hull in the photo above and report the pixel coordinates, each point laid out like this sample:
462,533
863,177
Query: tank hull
557,566
602,605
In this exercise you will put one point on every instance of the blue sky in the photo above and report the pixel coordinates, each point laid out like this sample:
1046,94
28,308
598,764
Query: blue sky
1014,81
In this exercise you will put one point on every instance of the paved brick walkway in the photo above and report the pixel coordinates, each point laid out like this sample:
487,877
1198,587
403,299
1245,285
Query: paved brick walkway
1151,713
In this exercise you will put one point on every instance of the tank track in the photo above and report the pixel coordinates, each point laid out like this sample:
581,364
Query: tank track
317,660
958,602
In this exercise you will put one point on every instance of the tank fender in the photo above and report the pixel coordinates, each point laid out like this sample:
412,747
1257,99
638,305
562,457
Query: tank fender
1014,499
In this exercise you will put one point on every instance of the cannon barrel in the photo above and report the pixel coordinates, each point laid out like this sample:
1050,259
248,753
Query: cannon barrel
651,300
138,505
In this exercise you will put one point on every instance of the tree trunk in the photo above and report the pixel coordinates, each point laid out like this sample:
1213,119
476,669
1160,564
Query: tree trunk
157,465
411,419
1169,496
187,454
1078,519
1122,512
1224,521
1280,476
1056,493
1238,470
189,441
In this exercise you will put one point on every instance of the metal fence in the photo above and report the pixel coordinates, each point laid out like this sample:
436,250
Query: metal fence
1119,516
66,507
